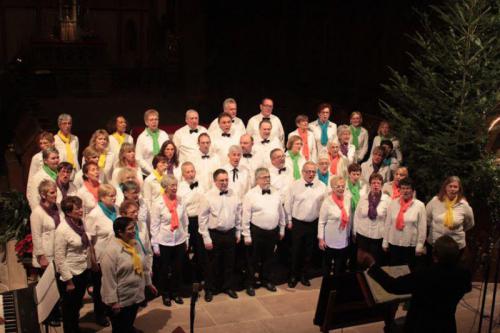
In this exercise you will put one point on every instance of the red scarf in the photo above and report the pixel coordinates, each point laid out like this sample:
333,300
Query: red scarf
344,219
92,189
305,145
403,207
333,164
172,208
395,191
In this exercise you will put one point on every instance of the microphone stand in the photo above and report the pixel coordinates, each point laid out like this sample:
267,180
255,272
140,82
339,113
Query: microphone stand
194,298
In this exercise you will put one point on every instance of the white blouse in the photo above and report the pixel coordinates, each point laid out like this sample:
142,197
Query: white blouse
70,256
363,225
161,219
43,232
311,143
362,145
100,228
329,223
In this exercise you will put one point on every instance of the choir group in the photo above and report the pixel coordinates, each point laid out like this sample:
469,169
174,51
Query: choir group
131,209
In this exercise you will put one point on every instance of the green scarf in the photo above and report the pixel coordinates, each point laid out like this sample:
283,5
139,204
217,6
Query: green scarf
354,189
156,144
50,172
355,132
295,160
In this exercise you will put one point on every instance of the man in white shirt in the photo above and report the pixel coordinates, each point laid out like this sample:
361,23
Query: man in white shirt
263,223
239,176
205,162
224,139
302,206
149,141
266,110
191,192
250,158
220,226
230,107
263,143
66,143
186,137
280,175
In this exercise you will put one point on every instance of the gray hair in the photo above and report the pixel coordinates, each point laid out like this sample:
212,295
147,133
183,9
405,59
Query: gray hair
309,163
234,148
323,156
260,171
331,142
50,150
62,117
343,128
168,180
228,101
191,111
335,180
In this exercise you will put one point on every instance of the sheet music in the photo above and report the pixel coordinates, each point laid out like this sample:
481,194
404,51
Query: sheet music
380,295
47,293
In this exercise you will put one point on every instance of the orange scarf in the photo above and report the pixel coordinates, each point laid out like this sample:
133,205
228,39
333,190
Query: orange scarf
344,219
403,207
333,164
92,189
172,208
305,145
395,191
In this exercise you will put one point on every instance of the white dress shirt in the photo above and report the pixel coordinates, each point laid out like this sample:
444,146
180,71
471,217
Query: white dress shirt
161,219
276,131
362,145
395,144
237,128
329,223
463,220
264,149
100,227
367,170
35,165
205,168
316,129
220,212
151,190
253,163
311,143
221,145
262,210
363,225
187,142
280,181
88,200
351,151
241,184
191,197
43,232
303,202
115,146
70,256
415,229
61,148
144,149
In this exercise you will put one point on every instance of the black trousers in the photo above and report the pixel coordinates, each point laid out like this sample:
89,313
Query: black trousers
219,268
372,246
72,301
304,235
123,322
197,249
99,306
335,261
260,254
171,268
402,255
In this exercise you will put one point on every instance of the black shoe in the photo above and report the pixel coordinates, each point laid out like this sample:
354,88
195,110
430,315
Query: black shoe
167,301
231,293
104,322
305,281
292,283
208,296
269,286
250,291
178,300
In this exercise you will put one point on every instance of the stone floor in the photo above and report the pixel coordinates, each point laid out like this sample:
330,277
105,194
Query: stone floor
287,310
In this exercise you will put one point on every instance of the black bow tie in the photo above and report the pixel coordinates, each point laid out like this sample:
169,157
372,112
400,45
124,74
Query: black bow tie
309,184
265,141
266,118
205,156
281,170
193,185
247,155
235,174
266,192
191,131
232,120
223,192
227,135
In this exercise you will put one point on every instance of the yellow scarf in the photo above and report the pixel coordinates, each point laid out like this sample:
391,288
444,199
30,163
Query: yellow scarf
69,153
448,216
136,259
119,137
102,161
159,178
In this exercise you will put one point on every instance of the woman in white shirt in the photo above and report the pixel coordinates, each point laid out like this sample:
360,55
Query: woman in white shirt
334,229
118,127
100,142
152,184
338,163
169,238
126,159
125,274
48,171
45,140
71,253
294,160
369,219
347,149
169,150
89,155
308,142
99,226
359,136
126,175
449,213
88,192
405,227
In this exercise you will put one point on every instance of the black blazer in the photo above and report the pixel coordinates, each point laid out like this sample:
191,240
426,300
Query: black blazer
435,290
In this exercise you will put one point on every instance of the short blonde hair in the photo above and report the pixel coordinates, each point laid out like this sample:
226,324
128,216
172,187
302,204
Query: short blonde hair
343,128
45,186
125,173
150,112
335,180
105,190
168,180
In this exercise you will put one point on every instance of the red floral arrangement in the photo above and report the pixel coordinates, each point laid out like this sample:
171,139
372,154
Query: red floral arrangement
24,246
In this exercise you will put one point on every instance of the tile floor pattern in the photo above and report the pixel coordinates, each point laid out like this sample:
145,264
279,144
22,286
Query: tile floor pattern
286,311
